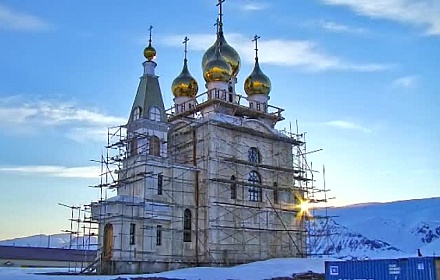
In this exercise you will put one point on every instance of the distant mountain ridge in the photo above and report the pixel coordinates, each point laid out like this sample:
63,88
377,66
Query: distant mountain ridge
61,240
378,230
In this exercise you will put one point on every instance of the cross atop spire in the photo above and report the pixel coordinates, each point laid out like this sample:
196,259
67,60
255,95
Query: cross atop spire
256,37
150,30
220,12
185,42
217,23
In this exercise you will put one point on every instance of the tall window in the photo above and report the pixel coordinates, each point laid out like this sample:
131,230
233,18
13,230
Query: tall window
132,233
133,147
254,191
187,225
254,155
159,235
275,192
155,114
233,188
159,184
136,113
154,146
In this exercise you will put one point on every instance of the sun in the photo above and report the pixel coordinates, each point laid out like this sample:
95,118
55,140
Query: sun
304,206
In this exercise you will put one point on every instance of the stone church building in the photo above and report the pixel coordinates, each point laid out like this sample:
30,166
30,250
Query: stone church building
209,182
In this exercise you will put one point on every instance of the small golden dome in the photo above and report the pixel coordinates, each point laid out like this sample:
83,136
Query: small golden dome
217,69
228,53
257,82
149,52
184,84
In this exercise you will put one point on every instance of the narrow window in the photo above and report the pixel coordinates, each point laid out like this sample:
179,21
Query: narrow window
233,188
258,106
154,146
132,233
159,235
187,225
133,147
255,192
254,155
155,114
275,192
159,184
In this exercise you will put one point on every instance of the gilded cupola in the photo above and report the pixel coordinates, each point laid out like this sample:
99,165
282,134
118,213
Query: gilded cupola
149,51
257,82
228,53
184,85
217,69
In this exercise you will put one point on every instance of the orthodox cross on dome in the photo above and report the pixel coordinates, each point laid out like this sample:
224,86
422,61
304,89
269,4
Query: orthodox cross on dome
150,30
185,42
217,24
220,12
256,37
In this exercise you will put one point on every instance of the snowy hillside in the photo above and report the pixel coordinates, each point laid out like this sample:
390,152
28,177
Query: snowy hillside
61,240
380,229
257,270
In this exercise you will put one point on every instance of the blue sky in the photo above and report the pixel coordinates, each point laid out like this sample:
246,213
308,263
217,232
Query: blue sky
360,76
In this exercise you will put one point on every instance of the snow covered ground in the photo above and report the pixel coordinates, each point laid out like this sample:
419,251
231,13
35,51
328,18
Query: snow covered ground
255,271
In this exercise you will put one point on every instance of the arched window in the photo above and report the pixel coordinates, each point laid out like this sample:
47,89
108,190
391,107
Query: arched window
187,225
254,155
233,188
154,146
155,114
254,191
136,113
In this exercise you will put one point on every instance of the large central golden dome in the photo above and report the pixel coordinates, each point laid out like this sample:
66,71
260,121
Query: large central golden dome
228,53
217,69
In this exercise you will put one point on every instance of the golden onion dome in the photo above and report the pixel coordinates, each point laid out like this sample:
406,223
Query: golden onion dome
184,85
228,53
257,82
217,69
149,52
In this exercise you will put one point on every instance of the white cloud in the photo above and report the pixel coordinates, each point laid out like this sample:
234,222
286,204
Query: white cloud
254,6
347,125
341,28
18,115
86,134
305,55
405,82
423,13
53,171
248,5
20,21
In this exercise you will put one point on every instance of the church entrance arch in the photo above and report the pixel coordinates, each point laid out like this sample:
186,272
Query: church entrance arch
108,242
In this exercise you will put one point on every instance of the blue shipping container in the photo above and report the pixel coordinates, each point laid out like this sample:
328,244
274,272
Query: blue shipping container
424,268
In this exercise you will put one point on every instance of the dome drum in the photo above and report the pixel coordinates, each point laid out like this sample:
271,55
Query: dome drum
183,104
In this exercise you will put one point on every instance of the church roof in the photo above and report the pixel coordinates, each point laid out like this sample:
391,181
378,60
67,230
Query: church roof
149,94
